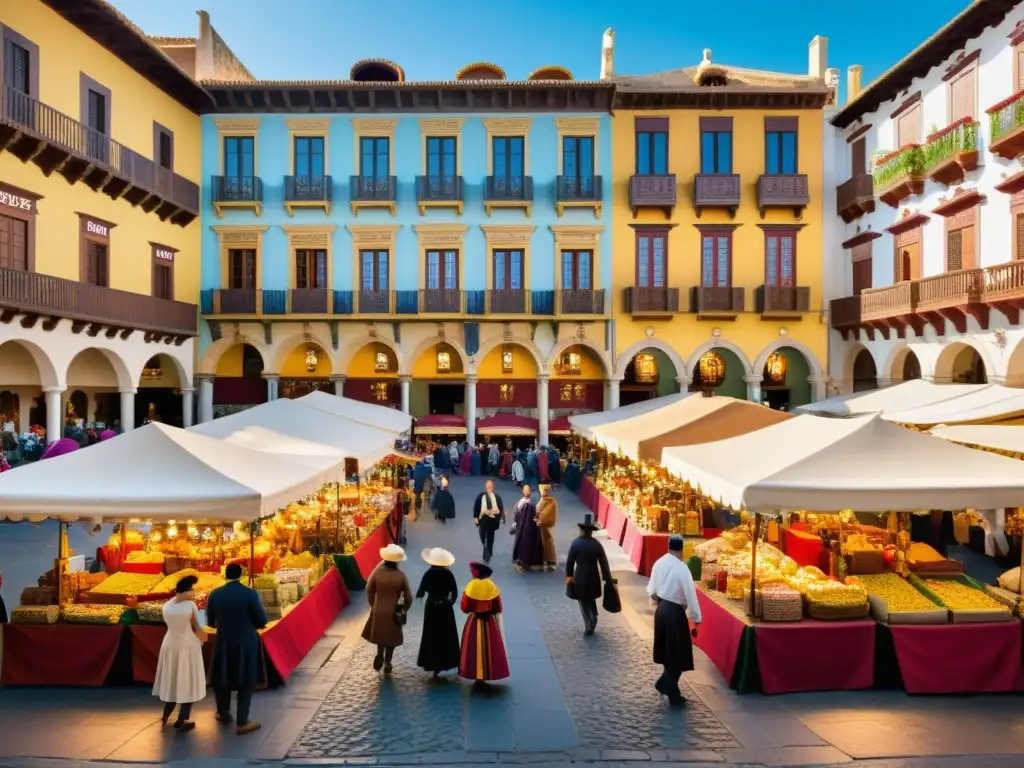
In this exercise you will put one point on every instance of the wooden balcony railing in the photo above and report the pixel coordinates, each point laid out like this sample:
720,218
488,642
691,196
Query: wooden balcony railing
950,289
32,130
717,300
446,301
507,302
855,197
45,296
308,301
845,314
639,300
774,299
1006,127
581,302
716,190
783,190
893,301
652,191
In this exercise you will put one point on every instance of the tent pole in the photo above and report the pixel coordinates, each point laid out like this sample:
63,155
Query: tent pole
755,535
252,552
60,565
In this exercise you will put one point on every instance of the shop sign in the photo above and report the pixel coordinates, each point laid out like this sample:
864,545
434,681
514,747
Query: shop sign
164,254
10,197
95,228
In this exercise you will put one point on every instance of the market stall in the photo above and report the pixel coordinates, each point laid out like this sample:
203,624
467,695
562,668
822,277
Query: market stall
833,467
908,394
583,423
369,414
986,404
560,426
509,424
440,424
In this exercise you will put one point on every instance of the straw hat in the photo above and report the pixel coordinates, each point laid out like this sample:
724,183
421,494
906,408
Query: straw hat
438,556
392,553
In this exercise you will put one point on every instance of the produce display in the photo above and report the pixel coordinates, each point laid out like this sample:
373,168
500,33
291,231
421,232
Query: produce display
84,613
654,499
960,597
206,583
35,614
128,584
152,611
141,556
899,595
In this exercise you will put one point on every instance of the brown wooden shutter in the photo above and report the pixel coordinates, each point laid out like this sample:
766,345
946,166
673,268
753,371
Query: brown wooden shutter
954,250
302,269
967,247
961,97
1020,68
910,127
861,276
858,157
1019,221
13,243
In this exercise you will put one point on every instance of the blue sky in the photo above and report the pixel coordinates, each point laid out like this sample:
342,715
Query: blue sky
320,39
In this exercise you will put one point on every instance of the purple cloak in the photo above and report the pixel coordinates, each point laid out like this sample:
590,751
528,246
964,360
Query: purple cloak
527,547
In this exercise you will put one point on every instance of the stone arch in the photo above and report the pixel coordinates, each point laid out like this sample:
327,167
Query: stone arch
629,353
1015,365
287,345
707,346
864,377
942,369
349,350
561,346
49,376
405,366
488,346
817,371
125,382
183,377
211,357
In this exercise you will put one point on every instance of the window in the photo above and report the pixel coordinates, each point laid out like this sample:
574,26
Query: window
716,260
508,270
1018,233
373,269
954,250
441,157
94,250
96,260
780,259
309,157
780,152
310,269
163,282
578,164
239,157
1018,66
95,108
908,127
861,258
97,111
18,67
858,157
961,95
508,162
242,269
442,270
716,152
13,243
650,260
651,147
576,272
374,157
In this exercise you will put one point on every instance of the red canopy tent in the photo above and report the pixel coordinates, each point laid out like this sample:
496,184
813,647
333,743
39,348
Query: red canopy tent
441,424
506,424
559,426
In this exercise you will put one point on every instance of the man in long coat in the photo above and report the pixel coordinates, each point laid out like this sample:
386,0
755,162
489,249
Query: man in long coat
488,513
547,517
526,550
236,613
586,567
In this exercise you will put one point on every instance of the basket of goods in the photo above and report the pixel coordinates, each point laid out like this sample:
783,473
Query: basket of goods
895,601
85,613
35,614
206,581
141,561
925,561
118,588
830,600
709,574
755,609
152,611
780,603
968,603
863,556
739,579
266,586
38,596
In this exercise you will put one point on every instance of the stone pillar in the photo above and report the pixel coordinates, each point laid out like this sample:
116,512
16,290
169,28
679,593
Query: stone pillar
187,397
818,387
272,381
684,383
127,410
54,414
613,394
543,410
205,398
403,383
339,384
883,383
753,382
471,409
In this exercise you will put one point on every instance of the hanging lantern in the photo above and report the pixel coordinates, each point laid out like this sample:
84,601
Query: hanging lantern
711,370
380,362
775,368
506,360
571,364
444,362
311,359
645,369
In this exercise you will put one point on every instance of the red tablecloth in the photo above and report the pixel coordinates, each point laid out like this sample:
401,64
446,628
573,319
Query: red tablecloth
805,549
814,655
589,495
146,642
367,556
643,547
615,520
287,642
958,658
59,654
719,635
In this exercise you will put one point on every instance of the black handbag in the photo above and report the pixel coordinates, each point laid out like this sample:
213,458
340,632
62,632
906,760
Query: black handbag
401,614
611,602
570,590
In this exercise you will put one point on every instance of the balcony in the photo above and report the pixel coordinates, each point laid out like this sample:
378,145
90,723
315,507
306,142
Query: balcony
647,191
1006,127
716,190
579,192
891,308
308,192
373,302
508,192
1004,289
845,316
507,302
580,302
237,192
92,308
650,302
952,153
373,192
441,301
439,192
778,301
308,301
783,190
900,174
717,303
31,130
953,296
855,197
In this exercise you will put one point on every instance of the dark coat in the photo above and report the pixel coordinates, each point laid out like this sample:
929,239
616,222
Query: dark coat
236,613
3,611
442,459
444,504
587,564
419,476
439,646
384,589
479,503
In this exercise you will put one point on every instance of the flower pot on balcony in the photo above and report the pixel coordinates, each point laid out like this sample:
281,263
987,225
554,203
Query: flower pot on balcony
900,174
902,187
954,168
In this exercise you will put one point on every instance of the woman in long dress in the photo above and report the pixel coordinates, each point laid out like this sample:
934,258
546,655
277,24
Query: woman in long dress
526,550
483,656
439,646
180,675
387,590
443,503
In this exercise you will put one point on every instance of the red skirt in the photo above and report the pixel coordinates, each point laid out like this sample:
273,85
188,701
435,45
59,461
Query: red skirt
483,654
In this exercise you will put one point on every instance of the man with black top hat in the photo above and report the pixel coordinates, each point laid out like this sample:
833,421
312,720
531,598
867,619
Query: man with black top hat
672,590
586,567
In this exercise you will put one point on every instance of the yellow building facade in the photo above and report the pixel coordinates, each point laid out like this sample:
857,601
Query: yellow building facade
99,232
717,232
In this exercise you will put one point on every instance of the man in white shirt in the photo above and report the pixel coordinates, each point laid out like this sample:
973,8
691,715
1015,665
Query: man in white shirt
488,513
672,590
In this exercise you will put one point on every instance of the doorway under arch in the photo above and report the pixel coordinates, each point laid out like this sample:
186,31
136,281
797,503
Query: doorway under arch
865,374
960,363
719,371
785,383
239,378
651,373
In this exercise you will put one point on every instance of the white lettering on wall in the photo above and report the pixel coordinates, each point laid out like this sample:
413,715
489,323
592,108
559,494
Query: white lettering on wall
15,201
164,254
96,229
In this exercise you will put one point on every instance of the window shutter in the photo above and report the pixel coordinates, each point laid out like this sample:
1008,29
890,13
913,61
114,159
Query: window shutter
858,157
961,97
967,248
861,276
1019,220
954,250
910,127
1020,68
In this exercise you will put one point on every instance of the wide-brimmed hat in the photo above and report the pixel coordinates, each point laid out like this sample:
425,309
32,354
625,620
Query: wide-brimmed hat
438,556
588,523
544,487
480,570
392,553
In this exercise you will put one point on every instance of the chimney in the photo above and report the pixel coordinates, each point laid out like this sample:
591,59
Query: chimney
608,54
852,82
817,56
205,66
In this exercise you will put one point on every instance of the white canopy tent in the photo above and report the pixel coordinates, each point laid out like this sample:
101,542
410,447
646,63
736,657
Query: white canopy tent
994,436
284,427
156,473
908,394
584,423
368,414
865,464
986,403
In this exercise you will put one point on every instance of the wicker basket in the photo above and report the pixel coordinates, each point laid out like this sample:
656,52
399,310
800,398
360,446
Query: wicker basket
781,604
865,562
35,614
758,602
836,612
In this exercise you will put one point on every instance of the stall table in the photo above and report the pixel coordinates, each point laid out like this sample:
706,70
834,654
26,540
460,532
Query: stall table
357,566
60,654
